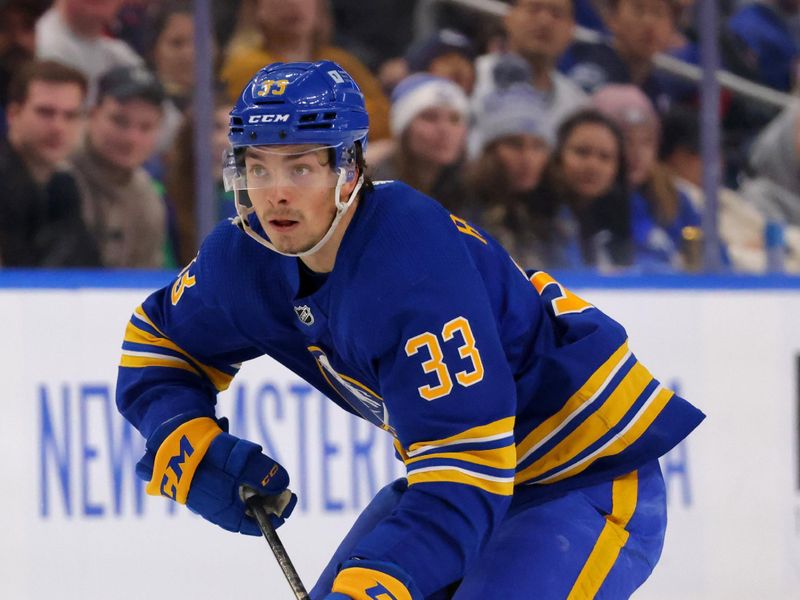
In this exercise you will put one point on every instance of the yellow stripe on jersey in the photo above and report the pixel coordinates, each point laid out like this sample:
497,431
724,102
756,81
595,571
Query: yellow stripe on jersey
613,537
140,361
503,486
483,433
593,387
595,426
139,312
136,335
632,432
499,458
400,451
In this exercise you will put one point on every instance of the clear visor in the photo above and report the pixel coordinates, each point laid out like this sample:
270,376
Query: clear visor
273,167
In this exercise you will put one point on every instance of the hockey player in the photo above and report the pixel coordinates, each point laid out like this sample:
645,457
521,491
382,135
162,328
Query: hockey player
529,430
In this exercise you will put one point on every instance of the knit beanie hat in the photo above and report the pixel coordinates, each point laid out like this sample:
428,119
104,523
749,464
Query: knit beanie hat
420,92
514,110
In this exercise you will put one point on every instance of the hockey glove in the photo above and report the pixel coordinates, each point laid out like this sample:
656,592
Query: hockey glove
203,467
369,579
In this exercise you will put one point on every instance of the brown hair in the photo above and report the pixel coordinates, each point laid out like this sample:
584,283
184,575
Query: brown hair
43,70
487,174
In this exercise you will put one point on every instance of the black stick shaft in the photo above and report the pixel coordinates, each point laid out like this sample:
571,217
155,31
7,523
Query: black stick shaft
277,548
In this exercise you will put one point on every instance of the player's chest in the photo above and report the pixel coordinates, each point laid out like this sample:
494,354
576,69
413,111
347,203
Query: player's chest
330,335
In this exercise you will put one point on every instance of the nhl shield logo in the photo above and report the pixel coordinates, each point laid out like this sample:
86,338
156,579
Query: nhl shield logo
304,314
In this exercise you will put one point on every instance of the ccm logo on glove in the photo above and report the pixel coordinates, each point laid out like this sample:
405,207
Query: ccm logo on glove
178,456
172,476
275,468
205,468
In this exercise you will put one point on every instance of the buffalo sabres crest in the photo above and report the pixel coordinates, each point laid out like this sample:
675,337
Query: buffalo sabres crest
304,314
365,402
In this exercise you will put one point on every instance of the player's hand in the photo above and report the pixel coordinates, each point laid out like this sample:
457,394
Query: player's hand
203,467
368,579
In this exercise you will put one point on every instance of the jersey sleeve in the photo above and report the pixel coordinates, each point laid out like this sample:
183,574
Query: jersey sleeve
451,400
595,410
180,349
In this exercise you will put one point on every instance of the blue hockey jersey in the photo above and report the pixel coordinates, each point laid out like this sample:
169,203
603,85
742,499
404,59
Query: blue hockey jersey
492,381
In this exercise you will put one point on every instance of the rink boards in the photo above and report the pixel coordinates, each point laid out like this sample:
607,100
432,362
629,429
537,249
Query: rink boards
76,523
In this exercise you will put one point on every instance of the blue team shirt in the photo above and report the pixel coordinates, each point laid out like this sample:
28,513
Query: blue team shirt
492,381
658,247
767,34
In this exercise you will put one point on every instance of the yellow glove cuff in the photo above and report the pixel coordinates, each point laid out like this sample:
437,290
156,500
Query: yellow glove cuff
367,584
178,457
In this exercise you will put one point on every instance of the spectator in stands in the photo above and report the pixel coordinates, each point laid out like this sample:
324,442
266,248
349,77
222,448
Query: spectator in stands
73,32
539,31
124,210
17,43
775,156
449,54
40,207
171,51
300,31
640,29
180,177
584,194
765,27
514,139
429,124
170,55
741,225
663,218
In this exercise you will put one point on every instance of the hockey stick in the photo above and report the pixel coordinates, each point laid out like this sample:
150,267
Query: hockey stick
261,507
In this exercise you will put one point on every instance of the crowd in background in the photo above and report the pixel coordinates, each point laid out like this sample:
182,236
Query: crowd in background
573,154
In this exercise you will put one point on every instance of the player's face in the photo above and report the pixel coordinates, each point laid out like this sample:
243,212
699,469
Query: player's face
540,27
590,160
125,133
523,158
437,136
46,127
292,190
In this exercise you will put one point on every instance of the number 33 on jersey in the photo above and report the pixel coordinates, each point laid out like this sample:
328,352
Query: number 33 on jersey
456,328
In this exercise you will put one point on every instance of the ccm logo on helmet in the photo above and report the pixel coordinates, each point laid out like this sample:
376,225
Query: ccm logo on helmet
268,119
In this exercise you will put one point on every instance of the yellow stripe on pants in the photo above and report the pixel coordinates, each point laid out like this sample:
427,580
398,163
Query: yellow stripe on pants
624,493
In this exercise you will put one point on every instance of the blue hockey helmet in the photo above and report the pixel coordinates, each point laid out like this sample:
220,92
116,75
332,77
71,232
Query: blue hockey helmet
302,103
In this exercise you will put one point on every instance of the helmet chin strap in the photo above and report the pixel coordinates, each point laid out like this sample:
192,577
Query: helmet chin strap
341,209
